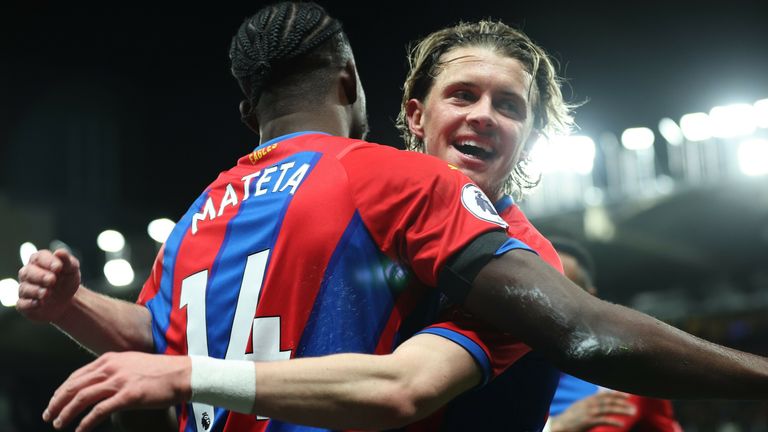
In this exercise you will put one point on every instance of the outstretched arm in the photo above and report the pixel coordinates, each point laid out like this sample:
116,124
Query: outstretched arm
340,391
50,291
604,343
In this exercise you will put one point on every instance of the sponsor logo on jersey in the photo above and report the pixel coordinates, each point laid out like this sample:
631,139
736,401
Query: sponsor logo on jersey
257,154
479,205
453,167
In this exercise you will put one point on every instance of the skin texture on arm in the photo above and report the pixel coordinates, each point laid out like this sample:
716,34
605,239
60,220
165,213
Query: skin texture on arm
50,291
340,391
599,341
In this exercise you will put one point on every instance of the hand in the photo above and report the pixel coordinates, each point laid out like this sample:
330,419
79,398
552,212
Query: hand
119,381
595,410
47,284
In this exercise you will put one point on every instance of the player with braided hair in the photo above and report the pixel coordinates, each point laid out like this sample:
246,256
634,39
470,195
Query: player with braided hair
287,50
366,293
245,280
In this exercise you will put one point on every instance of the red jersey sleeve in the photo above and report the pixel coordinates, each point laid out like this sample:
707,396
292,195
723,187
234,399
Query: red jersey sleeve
493,351
152,284
419,210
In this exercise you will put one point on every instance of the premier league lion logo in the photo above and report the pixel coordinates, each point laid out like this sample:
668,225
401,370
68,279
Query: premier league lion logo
479,205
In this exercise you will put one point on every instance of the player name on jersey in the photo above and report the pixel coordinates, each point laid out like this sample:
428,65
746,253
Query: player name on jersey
284,177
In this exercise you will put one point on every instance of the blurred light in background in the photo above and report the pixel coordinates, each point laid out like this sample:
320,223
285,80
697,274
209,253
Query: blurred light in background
110,241
118,272
695,126
573,153
671,131
753,157
9,292
639,138
25,251
761,113
160,229
731,121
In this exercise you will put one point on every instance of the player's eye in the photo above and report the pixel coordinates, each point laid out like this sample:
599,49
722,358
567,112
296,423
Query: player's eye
510,108
463,95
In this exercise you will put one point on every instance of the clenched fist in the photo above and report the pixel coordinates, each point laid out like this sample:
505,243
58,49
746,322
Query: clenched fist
47,284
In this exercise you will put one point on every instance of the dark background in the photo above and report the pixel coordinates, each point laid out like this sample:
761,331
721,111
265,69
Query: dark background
112,115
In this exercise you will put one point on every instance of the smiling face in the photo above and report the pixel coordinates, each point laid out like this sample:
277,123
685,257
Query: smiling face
476,116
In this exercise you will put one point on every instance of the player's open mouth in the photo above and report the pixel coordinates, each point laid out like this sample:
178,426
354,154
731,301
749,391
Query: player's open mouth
473,149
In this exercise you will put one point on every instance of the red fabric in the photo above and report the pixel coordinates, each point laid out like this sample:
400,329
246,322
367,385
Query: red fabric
652,415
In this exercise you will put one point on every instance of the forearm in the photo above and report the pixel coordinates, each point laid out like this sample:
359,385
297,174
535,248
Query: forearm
354,391
608,344
337,392
642,355
101,323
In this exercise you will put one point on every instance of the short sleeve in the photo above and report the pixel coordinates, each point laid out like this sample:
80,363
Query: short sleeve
418,209
492,350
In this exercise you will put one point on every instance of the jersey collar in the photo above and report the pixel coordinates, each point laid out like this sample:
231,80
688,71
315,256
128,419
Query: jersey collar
288,136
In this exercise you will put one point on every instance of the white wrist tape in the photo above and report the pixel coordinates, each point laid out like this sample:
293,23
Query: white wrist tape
229,384
548,426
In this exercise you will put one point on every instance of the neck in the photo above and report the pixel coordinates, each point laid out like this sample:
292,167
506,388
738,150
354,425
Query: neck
328,120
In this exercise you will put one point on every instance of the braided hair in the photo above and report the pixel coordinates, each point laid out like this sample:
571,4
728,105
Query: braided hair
284,41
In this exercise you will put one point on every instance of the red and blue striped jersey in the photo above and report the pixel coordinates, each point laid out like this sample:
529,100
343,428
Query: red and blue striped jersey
518,398
311,245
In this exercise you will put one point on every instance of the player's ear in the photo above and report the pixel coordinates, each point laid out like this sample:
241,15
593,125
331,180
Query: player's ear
414,114
247,117
349,83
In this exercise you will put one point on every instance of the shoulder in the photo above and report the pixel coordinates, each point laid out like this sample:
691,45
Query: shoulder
522,229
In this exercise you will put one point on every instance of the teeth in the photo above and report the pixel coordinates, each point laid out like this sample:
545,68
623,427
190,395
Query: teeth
472,148
472,144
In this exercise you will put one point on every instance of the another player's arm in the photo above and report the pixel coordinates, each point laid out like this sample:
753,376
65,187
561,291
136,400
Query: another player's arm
342,391
364,391
50,291
101,323
599,341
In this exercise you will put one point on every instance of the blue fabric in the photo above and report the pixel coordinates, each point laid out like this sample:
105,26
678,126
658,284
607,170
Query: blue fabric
354,296
468,344
516,400
570,390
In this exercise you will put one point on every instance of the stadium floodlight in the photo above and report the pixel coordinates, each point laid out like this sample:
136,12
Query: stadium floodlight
578,154
572,153
160,229
540,159
731,121
25,251
110,241
753,157
118,272
670,131
761,113
639,138
695,126
9,292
